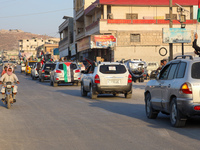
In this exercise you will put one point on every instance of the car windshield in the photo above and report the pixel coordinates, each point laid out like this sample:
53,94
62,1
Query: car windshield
31,64
49,66
73,66
112,69
5,62
195,70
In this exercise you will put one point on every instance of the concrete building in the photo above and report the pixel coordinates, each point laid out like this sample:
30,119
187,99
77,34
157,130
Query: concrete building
28,46
114,30
66,38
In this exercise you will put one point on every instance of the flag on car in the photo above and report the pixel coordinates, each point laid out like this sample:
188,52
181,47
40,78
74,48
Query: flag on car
198,13
67,71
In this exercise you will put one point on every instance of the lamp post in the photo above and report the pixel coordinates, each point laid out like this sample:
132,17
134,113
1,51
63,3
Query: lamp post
170,26
182,20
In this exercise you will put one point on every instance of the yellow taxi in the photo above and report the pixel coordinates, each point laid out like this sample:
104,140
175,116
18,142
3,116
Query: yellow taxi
29,65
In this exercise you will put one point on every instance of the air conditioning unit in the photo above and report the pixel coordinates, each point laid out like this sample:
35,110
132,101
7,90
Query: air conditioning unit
110,16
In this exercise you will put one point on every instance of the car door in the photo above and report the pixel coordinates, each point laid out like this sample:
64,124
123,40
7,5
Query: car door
167,84
156,93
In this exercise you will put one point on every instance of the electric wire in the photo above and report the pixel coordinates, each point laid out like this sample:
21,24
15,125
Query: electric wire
36,13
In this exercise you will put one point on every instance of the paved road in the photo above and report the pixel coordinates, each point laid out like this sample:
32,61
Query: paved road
49,118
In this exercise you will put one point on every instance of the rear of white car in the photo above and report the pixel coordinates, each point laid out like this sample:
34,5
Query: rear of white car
112,78
58,74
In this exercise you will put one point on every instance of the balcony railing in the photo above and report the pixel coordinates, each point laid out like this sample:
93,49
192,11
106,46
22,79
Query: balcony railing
144,21
64,41
91,26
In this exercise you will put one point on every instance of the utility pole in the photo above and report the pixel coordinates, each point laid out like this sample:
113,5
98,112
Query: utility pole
170,26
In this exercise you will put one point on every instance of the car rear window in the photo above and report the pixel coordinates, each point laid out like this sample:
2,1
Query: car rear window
31,64
74,66
112,69
49,66
195,70
181,70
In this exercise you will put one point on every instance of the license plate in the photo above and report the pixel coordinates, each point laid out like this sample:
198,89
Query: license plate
114,81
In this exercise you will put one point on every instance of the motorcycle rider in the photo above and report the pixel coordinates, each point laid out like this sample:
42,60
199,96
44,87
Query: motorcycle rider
9,77
4,70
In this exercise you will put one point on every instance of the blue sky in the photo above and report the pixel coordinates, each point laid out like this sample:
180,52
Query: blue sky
45,22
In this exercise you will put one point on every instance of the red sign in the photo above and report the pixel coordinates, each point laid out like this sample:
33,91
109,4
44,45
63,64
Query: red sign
102,41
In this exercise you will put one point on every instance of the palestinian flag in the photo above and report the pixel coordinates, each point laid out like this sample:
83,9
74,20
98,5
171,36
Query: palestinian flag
68,72
198,13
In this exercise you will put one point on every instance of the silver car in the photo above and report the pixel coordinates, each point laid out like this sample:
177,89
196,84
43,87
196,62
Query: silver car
176,91
72,74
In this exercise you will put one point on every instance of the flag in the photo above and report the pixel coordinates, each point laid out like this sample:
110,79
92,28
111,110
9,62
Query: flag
67,71
198,12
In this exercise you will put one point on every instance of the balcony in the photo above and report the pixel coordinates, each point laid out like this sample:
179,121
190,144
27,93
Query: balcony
91,26
144,21
65,41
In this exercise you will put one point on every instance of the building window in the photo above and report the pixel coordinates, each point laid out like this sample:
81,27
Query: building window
135,38
131,16
174,16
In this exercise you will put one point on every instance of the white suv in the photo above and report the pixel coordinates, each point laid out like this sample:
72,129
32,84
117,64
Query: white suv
106,77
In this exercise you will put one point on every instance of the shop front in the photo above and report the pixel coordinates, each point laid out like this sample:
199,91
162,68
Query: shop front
96,48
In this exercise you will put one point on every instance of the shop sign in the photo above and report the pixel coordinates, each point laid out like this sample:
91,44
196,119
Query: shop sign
102,41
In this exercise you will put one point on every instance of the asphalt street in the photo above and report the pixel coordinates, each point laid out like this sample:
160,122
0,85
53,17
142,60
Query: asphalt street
58,118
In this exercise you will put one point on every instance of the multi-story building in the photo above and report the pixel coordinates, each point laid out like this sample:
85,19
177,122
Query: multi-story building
66,38
128,29
28,46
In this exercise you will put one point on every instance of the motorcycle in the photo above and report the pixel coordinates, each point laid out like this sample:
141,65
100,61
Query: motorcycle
9,94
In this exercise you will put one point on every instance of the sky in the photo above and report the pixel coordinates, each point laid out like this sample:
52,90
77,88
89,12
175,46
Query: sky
35,16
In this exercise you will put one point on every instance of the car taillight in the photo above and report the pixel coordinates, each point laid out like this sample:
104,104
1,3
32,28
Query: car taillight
129,78
96,79
196,107
58,71
77,71
43,71
186,88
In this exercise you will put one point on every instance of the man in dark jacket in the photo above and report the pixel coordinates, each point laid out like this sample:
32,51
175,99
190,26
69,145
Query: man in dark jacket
195,46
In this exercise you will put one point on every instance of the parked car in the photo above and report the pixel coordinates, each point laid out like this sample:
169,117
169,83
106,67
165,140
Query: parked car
44,72
175,91
35,69
65,72
106,78
151,68
29,65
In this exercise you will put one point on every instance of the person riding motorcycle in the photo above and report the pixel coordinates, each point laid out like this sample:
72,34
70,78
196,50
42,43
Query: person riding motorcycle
4,70
9,76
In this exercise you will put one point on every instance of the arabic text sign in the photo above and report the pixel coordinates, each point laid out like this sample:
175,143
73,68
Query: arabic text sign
176,35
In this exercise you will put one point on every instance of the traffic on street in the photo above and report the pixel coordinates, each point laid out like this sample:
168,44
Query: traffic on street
48,117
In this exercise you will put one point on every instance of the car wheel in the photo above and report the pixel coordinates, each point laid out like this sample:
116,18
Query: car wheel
55,84
176,119
128,95
51,83
83,92
150,112
92,95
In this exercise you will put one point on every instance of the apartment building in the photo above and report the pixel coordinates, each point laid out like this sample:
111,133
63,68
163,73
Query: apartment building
66,45
124,29
28,46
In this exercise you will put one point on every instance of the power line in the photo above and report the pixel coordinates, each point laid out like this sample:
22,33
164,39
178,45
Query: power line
36,13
